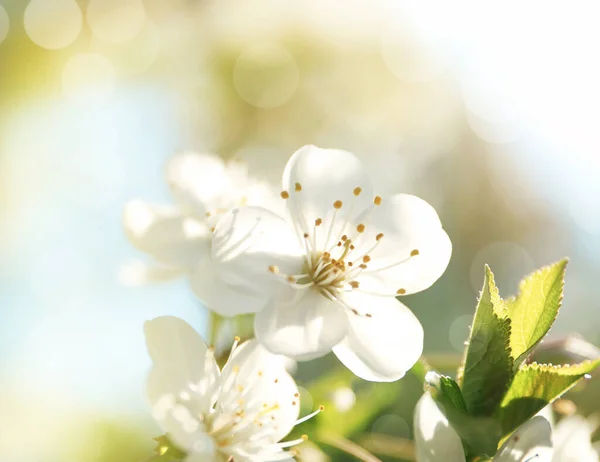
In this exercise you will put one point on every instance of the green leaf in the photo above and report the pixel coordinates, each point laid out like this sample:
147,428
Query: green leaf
488,364
535,386
166,450
534,310
480,435
446,391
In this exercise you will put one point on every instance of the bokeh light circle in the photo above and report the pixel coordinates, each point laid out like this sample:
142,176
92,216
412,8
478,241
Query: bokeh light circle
411,54
53,24
4,24
116,21
306,400
459,331
391,424
88,78
508,261
344,399
266,75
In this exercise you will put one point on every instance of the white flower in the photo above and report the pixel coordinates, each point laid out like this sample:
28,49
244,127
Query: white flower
239,413
437,441
572,437
333,270
179,236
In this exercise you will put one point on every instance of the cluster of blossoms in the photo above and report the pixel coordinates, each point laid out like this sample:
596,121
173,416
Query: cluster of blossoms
321,265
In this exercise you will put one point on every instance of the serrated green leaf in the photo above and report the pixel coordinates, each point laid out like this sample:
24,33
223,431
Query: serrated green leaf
534,310
488,365
166,450
535,386
480,435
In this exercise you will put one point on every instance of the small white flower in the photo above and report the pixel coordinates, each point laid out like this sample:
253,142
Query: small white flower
332,271
178,236
437,441
239,413
572,438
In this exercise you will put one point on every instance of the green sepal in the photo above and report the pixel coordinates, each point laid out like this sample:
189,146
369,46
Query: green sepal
166,450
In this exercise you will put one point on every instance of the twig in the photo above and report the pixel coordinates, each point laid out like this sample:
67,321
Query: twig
347,446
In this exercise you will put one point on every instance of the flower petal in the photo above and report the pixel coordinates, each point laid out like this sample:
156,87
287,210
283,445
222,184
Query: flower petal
166,234
264,380
315,179
220,297
531,441
248,244
196,179
435,439
184,368
382,345
573,440
414,250
303,329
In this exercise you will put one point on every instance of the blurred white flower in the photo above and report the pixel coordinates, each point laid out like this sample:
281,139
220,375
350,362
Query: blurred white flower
332,271
239,413
437,441
572,438
179,236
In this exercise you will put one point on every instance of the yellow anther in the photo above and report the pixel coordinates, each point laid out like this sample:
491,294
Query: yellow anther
212,230
366,259
276,380
298,187
337,205
362,266
285,194
293,403
273,269
318,222
296,395
260,373
354,284
360,228
350,263
236,338
414,253
208,214
321,408
377,200
368,315
291,279
379,236
236,369
240,388
304,437
305,235
401,291
357,190
344,237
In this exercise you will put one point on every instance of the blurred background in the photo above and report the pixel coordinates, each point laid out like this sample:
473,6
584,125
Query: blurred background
490,113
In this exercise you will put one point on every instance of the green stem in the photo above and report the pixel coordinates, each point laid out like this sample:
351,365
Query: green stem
215,325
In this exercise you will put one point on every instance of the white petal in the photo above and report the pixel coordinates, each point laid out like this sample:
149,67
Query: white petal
166,234
325,176
409,226
184,368
385,345
196,179
532,441
573,440
187,432
220,297
265,380
435,439
304,329
250,240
